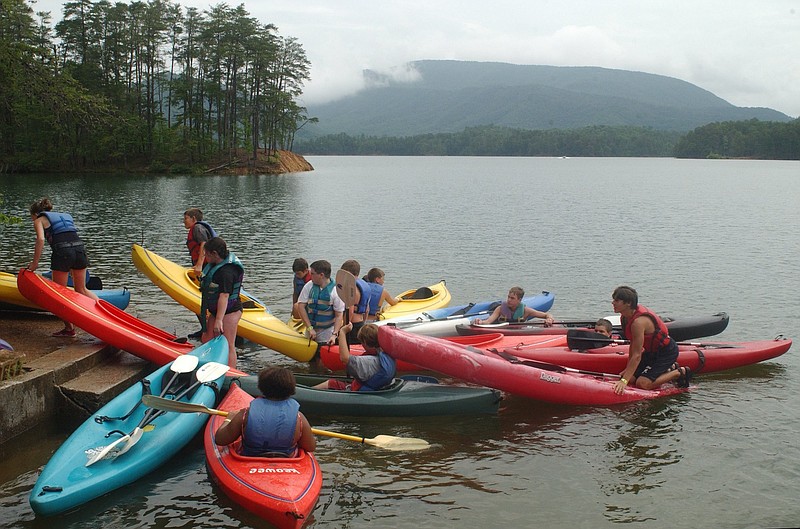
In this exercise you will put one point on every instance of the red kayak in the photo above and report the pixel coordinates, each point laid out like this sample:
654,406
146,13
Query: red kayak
699,357
536,380
330,354
102,319
282,490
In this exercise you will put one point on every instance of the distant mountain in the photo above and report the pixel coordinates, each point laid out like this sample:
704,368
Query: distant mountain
447,96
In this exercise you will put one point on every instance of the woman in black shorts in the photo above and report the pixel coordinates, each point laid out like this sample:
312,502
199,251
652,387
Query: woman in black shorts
68,253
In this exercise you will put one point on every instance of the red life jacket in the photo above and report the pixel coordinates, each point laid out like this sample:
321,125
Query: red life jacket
653,342
193,245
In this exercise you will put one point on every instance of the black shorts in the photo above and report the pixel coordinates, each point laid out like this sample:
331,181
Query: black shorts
653,365
70,258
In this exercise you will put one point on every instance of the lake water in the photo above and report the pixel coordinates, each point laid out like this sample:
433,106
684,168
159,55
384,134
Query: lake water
694,237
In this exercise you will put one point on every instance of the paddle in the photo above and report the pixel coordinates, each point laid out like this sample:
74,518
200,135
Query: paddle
207,372
182,364
548,366
5,345
594,340
388,442
346,288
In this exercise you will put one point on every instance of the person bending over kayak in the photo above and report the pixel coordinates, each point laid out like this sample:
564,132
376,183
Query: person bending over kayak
371,371
514,310
272,426
652,354
220,284
68,253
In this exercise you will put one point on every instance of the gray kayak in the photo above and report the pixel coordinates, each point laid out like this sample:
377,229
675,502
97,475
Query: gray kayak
403,398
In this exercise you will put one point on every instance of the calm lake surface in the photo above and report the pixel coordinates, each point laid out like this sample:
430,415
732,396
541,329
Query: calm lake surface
694,237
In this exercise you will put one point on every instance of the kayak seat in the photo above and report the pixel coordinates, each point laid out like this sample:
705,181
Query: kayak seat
421,293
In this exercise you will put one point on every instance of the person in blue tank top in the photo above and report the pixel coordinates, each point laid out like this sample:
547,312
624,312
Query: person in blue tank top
68,253
372,371
220,284
272,426
514,310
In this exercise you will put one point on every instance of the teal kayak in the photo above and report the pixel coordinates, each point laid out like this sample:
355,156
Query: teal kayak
67,482
403,398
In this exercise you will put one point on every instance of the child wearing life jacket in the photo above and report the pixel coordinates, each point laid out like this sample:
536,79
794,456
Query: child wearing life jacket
514,310
302,275
371,371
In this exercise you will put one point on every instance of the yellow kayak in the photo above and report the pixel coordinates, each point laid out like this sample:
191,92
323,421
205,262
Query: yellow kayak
10,294
411,302
419,300
257,324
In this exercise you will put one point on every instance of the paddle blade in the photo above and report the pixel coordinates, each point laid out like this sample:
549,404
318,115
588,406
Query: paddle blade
106,451
159,403
390,442
346,287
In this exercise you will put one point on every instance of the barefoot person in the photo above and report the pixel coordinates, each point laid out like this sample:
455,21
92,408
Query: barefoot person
652,354
68,253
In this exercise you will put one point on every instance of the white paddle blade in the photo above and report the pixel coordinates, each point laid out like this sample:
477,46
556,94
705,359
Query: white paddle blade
106,451
184,364
133,438
211,371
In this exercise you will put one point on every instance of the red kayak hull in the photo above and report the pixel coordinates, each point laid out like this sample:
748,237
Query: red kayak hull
707,358
330,354
552,385
281,490
102,319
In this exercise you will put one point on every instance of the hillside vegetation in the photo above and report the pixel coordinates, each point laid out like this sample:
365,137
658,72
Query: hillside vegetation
449,96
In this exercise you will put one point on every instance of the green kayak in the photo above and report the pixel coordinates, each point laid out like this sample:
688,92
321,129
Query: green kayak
404,398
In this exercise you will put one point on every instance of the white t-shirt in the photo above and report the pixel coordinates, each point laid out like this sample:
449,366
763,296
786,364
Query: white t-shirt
338,306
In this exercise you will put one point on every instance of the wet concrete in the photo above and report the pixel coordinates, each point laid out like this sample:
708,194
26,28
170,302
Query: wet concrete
62,380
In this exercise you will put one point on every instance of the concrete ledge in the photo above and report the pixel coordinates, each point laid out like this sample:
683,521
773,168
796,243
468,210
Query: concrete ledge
59,386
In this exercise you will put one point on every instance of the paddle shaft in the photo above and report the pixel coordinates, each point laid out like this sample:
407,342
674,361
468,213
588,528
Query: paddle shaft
627,342
188,407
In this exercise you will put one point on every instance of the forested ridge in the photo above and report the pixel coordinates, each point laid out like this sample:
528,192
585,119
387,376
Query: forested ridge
144,85
752,139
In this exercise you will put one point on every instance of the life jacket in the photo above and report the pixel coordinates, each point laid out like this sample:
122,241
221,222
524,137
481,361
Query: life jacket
506,315
210,290
381,379
60,223
654,342
376,291
193,245
320,306
365,289
300,282
270,427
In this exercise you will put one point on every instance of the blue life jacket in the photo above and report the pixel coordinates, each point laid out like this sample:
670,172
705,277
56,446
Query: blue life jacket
59,223
320,307
505,313
210,290
365,290
300,282
384,376
270,427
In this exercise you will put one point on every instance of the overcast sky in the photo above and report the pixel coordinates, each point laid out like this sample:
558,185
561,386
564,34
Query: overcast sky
745,51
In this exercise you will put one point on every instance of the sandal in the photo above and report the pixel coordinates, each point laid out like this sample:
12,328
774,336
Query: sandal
64,333
685,377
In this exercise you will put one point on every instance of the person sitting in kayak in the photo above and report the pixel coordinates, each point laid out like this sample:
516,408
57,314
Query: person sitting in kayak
220,285
652,354
604,327
514,310
272,426
371,371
